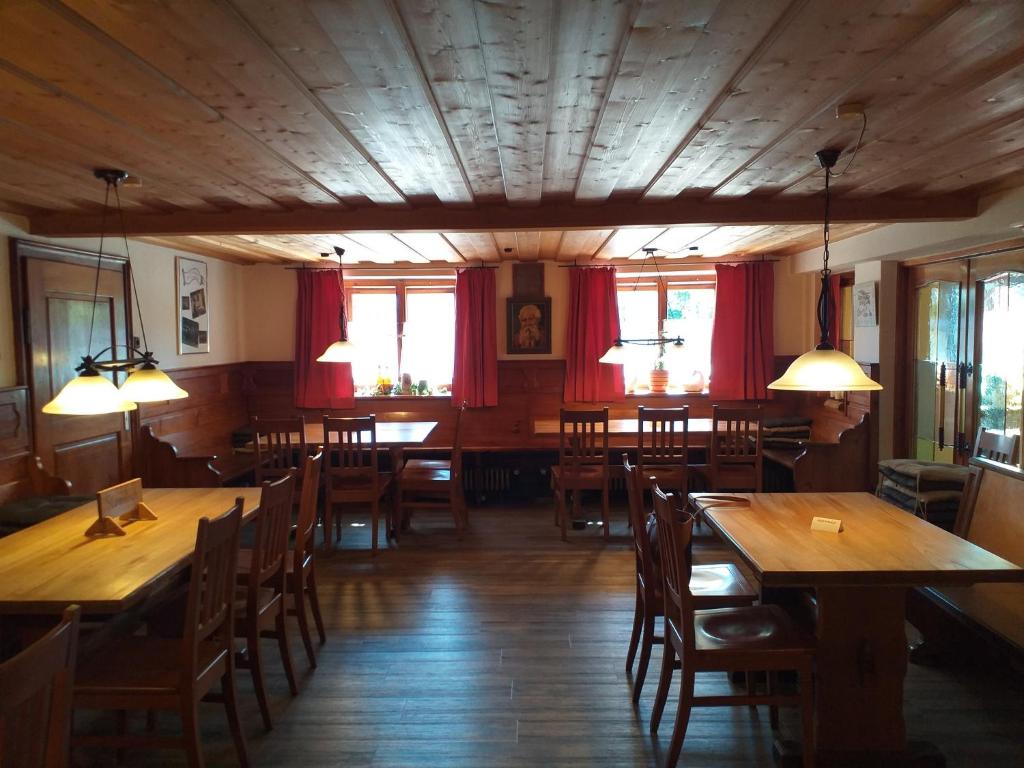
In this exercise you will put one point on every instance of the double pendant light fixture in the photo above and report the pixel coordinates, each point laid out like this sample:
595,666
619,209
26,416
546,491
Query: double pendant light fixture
825,368
91,393
617,354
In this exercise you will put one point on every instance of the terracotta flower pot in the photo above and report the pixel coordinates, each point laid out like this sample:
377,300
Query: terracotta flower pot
659,381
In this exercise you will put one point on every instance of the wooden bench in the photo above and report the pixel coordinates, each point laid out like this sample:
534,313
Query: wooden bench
161,467
36,497
835,458
991,515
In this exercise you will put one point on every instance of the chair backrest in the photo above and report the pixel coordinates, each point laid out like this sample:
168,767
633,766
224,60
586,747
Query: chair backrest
736,434
460,423
351,446
675,538
280,446
968,497
35,699
210,609
638,519
997,447
663,440
270,545
305,533
582,439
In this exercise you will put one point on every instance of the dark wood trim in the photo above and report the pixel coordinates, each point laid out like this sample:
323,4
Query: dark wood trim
491,218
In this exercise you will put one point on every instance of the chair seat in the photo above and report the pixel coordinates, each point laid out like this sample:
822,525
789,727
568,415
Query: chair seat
414,465
264,597
140,665
754,628
720,585
357,487
418,477
245,563
583,478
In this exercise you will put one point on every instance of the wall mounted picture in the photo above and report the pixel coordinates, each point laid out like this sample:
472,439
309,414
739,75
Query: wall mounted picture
193,312
865,313
529,326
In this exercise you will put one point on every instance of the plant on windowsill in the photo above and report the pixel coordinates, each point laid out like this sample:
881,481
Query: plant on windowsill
659,376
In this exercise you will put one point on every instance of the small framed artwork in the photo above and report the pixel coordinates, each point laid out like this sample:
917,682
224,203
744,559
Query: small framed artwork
529,326
865,311
193,311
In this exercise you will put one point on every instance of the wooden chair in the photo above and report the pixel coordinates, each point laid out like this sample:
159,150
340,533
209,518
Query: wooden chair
154,673
433,484
717,585
260,608
351,473
662,449
280,446
300,562
35,699
582,463
736,456
754,638
997,447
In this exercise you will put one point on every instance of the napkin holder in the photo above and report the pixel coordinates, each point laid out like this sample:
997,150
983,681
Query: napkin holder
124,502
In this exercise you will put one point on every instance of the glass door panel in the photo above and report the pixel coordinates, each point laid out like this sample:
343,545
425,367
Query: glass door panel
937,336
1000,374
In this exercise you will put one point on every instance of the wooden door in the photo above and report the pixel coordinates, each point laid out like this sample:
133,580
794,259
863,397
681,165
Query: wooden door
57,286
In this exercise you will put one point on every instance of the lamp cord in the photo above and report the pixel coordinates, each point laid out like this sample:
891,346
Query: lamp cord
131,272
99,264
823,300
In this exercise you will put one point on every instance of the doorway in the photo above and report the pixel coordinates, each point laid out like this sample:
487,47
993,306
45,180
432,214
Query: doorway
54,306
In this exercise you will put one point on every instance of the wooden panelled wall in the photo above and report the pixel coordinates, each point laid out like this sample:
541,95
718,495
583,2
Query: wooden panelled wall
223,397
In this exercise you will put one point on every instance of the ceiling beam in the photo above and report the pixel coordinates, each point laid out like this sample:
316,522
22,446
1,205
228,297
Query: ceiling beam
745,210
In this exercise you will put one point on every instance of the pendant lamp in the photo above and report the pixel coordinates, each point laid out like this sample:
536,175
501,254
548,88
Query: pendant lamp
91,393
825,368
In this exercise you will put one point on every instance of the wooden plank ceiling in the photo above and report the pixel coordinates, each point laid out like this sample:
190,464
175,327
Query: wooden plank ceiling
463,130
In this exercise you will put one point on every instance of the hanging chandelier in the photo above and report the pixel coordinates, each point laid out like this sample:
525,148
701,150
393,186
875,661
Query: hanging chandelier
91,393
825,368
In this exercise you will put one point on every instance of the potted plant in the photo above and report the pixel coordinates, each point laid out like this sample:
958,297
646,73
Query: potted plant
659,376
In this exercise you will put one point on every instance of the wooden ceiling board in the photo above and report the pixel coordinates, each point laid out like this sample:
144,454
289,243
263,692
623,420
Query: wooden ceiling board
112,79
628,242
675,63
516,41
965,51
385,243
794,79
431,245
474,246
211,53
582,244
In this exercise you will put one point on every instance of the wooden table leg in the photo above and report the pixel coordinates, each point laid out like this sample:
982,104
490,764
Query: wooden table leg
861,666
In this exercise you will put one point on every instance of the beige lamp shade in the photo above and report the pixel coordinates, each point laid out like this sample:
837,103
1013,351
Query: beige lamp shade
149,384
339,352
616,354
89,394
824,370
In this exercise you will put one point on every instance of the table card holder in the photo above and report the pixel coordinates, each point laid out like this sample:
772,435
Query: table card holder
123,501
827,524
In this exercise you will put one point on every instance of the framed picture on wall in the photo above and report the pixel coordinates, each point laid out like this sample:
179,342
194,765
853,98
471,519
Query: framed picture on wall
528,326
193,308
865,312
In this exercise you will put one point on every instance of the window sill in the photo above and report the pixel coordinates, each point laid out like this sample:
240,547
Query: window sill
697,395
403,397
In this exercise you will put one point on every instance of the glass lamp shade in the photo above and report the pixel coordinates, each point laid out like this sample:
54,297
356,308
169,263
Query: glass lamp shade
616,354
149,384
824,370
339,352
89,394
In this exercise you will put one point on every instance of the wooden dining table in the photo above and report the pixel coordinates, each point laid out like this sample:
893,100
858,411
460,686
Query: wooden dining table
860,577
390,434
699,428
50,565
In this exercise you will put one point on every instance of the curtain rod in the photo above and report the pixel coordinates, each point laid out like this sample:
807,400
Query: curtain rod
671,264
390,267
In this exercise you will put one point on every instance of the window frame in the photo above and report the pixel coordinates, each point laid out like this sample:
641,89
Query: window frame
401,290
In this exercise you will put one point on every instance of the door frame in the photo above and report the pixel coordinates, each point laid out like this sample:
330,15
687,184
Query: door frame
20,250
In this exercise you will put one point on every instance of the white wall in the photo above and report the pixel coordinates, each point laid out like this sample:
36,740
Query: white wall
155,278
271,293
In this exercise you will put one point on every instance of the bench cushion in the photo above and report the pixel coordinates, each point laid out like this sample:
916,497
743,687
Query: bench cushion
924,475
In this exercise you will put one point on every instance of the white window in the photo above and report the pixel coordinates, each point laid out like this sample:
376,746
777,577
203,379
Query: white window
638,319
690,315
373,329
428,340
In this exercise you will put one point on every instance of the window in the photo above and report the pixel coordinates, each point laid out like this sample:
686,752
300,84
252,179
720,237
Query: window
684,309
402,329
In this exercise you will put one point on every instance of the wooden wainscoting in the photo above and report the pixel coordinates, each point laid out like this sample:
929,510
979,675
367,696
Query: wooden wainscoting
15,440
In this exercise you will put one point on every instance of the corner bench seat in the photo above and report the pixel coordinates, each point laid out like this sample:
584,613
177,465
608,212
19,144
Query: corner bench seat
37,497
991,516
162,467
835,457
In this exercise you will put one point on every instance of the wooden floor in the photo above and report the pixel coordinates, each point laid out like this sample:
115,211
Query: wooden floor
507,649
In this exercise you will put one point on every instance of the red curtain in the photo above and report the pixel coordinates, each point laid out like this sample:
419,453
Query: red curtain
593,327
475,378
319,314
835,306
742,337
